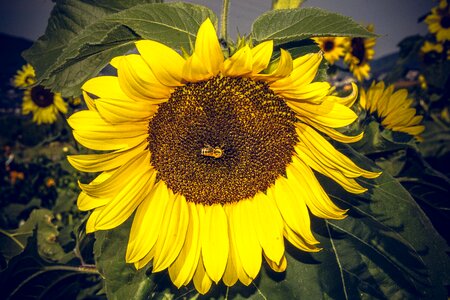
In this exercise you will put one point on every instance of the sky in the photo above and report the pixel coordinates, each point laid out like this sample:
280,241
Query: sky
393,19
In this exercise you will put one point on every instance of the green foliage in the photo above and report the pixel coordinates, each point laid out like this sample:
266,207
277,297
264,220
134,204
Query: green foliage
121,279
82,37
13,242
283,26
28,276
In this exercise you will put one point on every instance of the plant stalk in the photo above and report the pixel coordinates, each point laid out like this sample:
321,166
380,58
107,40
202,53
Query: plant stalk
224,20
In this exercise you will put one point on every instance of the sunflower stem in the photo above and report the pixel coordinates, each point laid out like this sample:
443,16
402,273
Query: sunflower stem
224,20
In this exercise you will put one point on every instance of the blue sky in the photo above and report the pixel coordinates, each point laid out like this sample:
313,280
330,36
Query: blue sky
393,19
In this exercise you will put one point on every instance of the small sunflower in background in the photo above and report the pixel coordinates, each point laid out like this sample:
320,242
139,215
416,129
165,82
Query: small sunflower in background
431,52
41,102
358,55
214,157
25,77
333,47
439,21
392,109
431,47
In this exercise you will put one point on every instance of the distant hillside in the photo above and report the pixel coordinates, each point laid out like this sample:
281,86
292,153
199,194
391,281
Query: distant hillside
10,61
10,54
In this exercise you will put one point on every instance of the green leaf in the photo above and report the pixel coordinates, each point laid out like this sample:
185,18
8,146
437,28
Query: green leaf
14,242
110,35
379,141
68,19
121,279
28,276
283,26
395,247
429,187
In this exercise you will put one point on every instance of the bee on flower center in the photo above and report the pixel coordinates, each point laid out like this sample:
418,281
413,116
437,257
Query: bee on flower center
216,152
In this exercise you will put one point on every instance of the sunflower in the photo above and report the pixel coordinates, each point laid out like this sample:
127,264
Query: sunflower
431,52
439,21
429,47
358,55
333,47
43,103
214,157
24,77
392,109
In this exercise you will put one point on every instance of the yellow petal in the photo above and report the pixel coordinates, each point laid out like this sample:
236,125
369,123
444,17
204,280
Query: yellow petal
298,241
165,63
111,144
312,192
93,132
234,269
346,100
249,250
277,70
202,282
114,179
311,93
126,201
215,243
323,151
327,113
147,258
261,56
105,87
332,133
293,209
304,70
90,224
147,223
119,111
349,184
86,202
183,268
269,226
194,69
277,267
207,47
139,82
172,235
241,63
105,161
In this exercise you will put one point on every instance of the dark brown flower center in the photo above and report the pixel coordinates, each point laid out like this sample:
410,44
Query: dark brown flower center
358,49
222,140
328,45
41,96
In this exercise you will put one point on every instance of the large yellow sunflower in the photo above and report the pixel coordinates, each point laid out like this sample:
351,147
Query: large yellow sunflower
24,77
439,21
44,104
214,157
333,47
358,55
393,109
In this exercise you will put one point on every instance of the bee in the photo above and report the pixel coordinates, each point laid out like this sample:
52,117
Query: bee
216,152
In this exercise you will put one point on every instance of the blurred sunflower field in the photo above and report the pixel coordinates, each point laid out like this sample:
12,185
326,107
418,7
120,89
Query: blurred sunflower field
147,155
